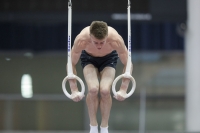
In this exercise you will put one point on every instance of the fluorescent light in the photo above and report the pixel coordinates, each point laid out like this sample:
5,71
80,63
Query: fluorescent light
7,59
28,54
26,86
135,16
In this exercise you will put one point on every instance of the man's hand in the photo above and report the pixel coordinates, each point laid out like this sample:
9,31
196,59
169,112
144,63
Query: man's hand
76,96
121,95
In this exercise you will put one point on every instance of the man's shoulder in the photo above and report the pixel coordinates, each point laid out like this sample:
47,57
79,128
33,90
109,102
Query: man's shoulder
112,32
85,30
111,29
84,34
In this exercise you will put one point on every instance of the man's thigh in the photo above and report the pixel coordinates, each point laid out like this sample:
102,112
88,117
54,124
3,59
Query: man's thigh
91,76
106,77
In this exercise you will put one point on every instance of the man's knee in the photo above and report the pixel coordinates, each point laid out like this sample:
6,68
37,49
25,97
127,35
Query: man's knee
93,91
105,92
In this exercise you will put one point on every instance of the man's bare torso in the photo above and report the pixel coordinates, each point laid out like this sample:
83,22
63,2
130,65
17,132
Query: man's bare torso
91,49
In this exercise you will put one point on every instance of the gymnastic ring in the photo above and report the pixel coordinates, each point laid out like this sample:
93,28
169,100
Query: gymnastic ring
125,75
73,77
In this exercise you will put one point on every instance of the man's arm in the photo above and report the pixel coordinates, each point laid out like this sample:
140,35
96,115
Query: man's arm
75,55
122,51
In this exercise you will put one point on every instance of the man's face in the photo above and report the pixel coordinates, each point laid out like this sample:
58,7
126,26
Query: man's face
98,43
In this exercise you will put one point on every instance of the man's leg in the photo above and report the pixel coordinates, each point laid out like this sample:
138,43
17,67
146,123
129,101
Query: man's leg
107,77
92,100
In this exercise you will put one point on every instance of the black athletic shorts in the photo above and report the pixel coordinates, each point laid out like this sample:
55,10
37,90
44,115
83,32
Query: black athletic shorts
99,62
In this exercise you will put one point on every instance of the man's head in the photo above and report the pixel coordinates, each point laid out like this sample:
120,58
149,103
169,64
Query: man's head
99,29
98,33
